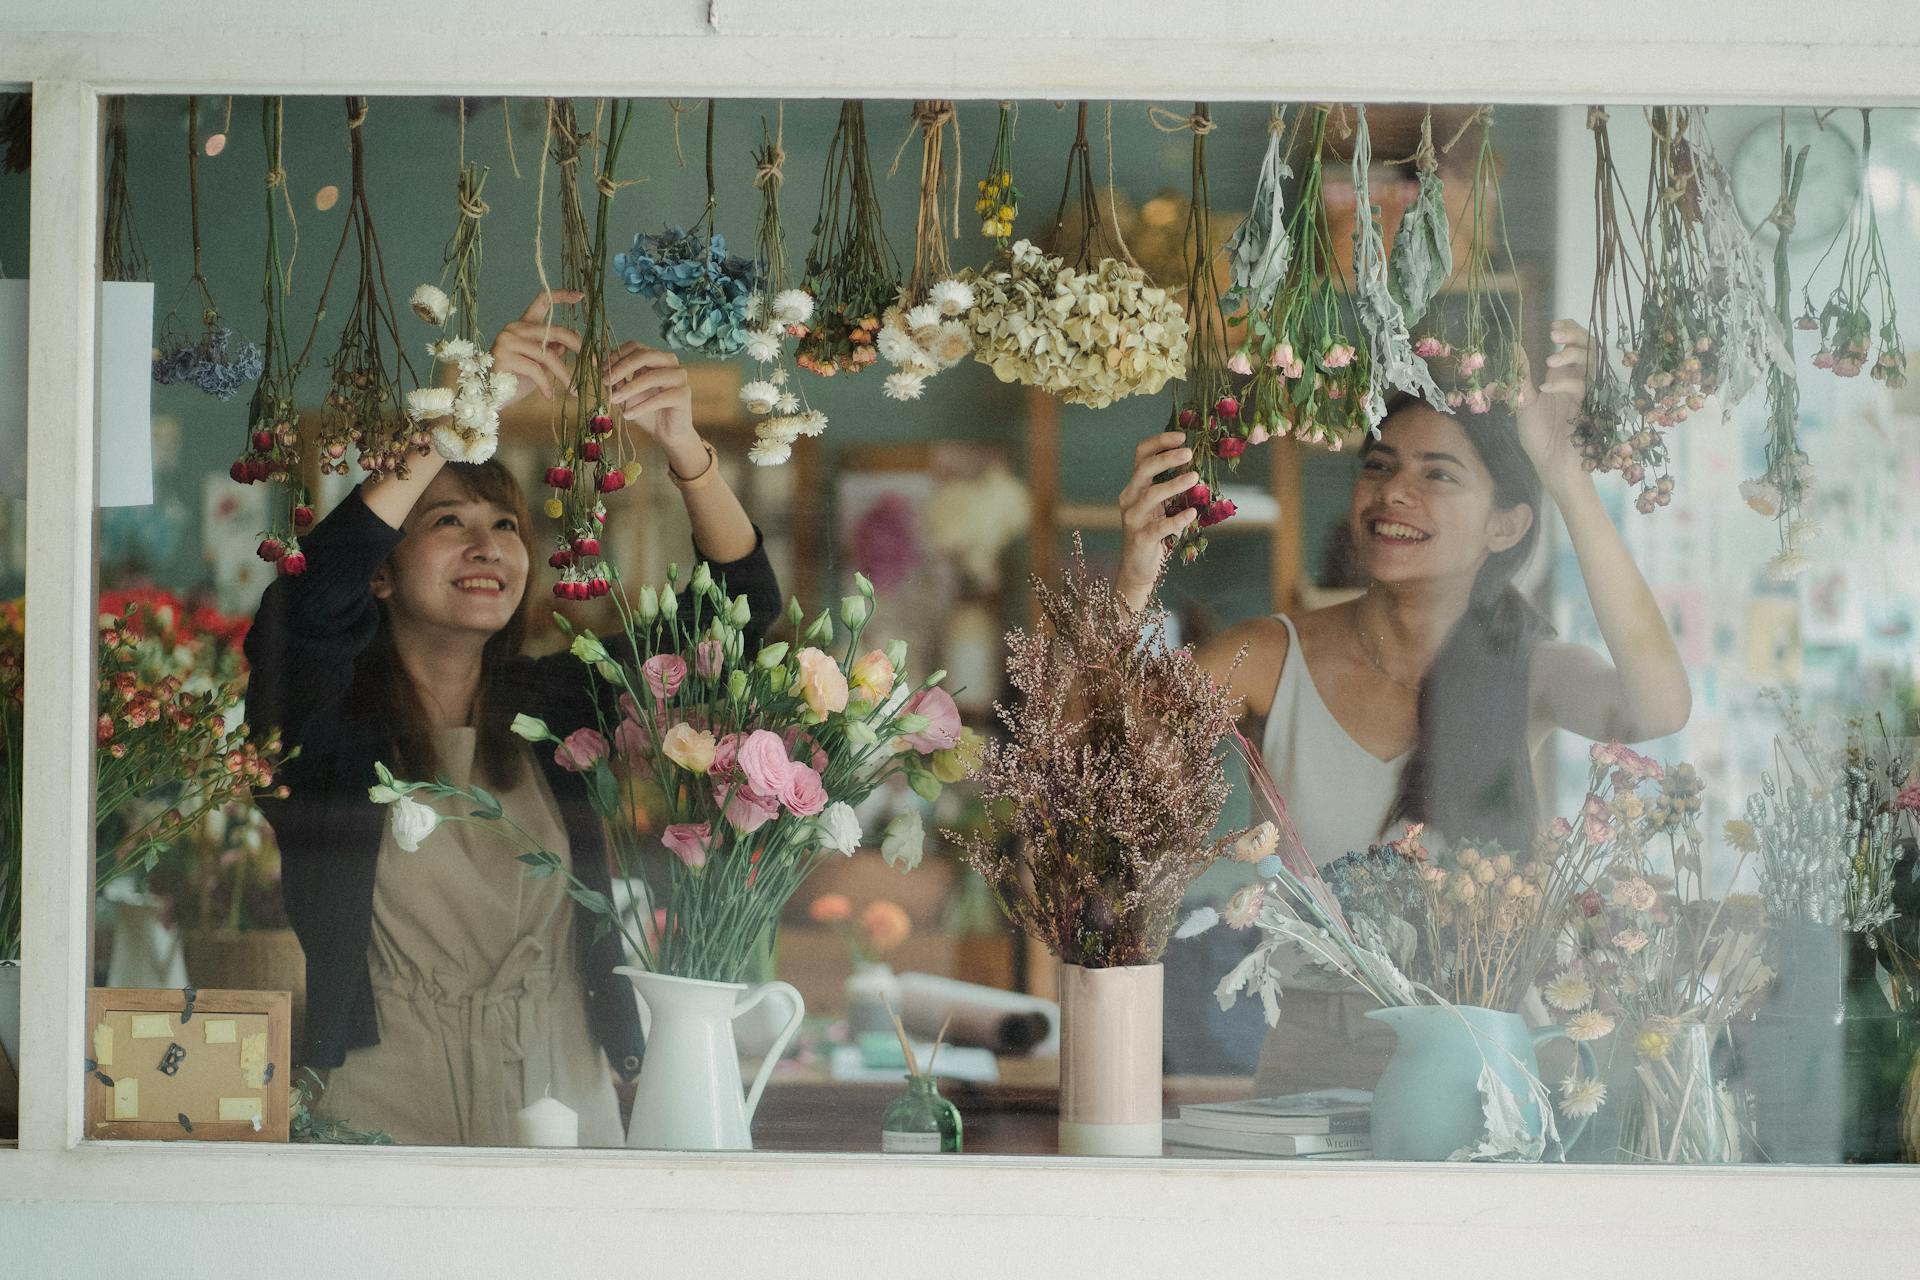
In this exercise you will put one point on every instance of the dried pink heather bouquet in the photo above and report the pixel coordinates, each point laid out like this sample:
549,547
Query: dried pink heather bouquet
1106,792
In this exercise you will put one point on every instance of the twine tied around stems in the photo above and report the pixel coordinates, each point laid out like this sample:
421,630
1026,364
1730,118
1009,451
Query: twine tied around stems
1480,114
1166,121
276,177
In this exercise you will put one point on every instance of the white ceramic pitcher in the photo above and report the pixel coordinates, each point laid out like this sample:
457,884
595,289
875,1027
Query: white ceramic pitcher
689,1096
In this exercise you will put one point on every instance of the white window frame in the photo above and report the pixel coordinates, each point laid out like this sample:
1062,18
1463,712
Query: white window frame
748,1214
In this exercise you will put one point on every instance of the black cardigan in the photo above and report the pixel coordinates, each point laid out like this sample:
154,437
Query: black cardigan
306,637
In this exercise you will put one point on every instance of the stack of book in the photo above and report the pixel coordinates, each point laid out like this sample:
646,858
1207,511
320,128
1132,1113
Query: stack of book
1327,1124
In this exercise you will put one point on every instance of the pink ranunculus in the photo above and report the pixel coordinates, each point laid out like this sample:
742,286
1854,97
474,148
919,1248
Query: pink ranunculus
763,758
943,721
803,795
709,658
582,749
726,752
689,841
796,736
746,811
664,673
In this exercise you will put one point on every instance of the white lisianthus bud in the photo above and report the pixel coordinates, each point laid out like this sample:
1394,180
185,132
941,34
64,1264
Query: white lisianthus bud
773,655
897,654
532,728
649,607
854,612
412,823
702,578
587,647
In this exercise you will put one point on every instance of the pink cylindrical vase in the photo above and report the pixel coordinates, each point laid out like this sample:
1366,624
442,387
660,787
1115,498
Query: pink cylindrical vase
1110,1060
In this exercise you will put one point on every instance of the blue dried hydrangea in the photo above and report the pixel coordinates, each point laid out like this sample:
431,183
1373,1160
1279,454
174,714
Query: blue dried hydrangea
216,363
699,290
1379,880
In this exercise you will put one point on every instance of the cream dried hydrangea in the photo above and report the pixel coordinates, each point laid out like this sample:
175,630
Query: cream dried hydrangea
1089,337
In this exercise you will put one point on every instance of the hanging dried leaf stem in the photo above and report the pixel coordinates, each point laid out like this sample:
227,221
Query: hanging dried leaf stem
851,272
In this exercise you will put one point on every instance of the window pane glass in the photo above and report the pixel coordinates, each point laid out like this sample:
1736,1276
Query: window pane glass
537,750
15,121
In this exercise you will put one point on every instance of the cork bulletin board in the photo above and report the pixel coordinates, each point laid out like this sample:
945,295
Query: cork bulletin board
209,1066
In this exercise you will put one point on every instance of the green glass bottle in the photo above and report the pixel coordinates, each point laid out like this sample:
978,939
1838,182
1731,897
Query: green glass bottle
920,1121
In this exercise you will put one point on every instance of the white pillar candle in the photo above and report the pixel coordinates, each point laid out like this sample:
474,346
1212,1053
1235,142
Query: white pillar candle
548,1123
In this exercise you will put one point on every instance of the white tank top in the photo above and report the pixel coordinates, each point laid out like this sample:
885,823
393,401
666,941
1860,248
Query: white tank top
1337,792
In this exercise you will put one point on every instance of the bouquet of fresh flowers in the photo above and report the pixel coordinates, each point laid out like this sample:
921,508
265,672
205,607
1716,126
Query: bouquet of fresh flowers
170,745
1110,784
757,760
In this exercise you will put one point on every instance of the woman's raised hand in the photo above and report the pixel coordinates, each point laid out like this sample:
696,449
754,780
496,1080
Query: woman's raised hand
534,349
649,388
1546,413
1144,521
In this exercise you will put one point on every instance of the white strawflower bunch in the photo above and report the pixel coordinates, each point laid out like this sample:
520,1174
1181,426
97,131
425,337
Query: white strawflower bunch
770,396
923,339
1089,337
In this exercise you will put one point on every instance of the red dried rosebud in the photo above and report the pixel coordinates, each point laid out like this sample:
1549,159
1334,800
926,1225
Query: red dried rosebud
270,550
612,481
1229,447
561,558
586,546
1189,419
263,441
560,477
293,563
600,424
591,451
262,469
560,589
1227,407
600,586
241,471
302,516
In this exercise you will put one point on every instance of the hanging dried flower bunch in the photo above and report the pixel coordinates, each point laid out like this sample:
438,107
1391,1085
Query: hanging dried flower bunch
464,418
1205,407
1780,492
362,407
1422,256
1110,779
851,272
1309,378
1088,327
1384,325
213,360
774,395
1683,335
590,451
1487,362
272,452
999,202
699,291
926,330
121,255
1861,305
1608,430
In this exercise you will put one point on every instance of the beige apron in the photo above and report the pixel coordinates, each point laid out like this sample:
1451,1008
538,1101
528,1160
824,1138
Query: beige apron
476,987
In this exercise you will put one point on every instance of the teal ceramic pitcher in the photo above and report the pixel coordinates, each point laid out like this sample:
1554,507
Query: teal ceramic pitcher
1427,1105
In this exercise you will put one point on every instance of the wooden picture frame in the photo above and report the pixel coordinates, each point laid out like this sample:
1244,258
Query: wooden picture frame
174,1064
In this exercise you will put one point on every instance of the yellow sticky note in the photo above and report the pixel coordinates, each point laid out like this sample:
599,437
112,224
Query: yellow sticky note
239,1108
103,1044
152,1026
220,1031
253,1060
126,1098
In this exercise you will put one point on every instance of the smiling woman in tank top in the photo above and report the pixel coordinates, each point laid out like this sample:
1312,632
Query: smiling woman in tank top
1428,698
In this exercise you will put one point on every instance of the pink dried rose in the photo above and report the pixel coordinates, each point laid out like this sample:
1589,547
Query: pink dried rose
1338,356
1238,363
1597,819
689,842
582,749
1428,347
1471,362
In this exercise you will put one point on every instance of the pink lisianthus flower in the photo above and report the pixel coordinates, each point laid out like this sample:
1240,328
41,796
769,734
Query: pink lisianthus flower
664,673
709,659
803,795
943,721
689,842
872,676
726,753
795,737
822,685
631,749
764,761
582,749
745,811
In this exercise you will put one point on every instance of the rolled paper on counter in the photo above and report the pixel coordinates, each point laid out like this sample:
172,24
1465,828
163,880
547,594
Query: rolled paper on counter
548,1123
986,1017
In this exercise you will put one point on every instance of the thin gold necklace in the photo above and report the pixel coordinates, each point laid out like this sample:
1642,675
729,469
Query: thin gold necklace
1372,655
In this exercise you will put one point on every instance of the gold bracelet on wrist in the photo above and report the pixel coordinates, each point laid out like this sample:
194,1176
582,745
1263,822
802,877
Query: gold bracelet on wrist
706,476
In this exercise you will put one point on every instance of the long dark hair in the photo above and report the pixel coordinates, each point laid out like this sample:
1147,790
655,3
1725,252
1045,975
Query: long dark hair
1471,774
382,676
